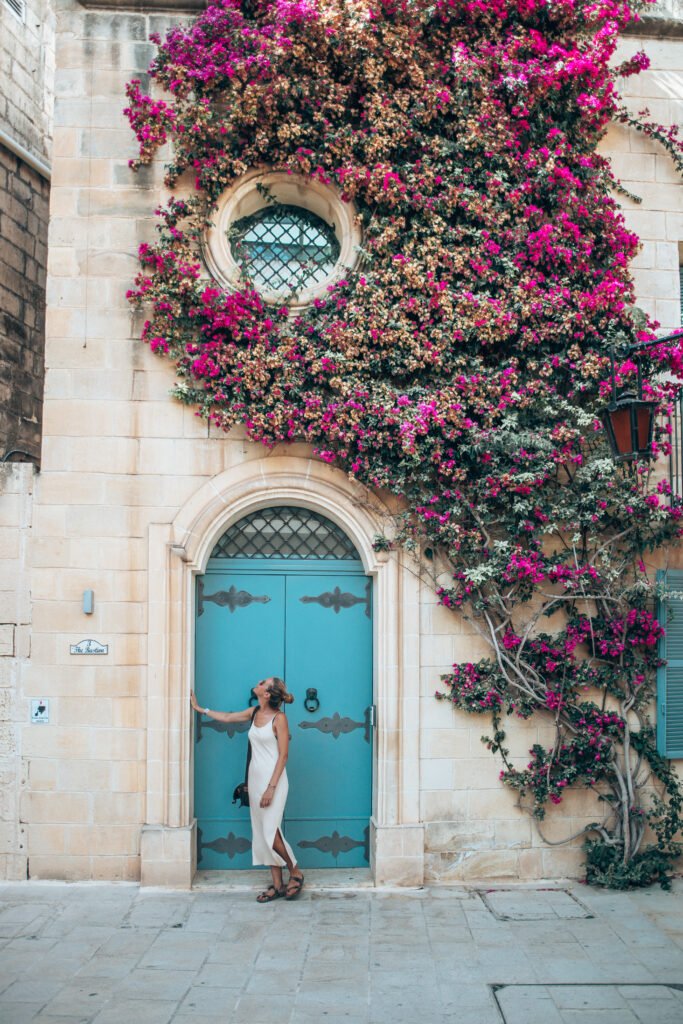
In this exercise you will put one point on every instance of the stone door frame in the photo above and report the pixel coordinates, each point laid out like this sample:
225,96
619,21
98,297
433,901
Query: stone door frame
178,552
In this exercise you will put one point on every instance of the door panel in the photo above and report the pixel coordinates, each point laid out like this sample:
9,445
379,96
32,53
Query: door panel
315,630
239,640
328,642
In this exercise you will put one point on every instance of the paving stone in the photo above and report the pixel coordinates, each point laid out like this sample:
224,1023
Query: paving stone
527,1004
156,984
311,1015
251,1009
136,1011
592,997
533,904
19,1013
84,998
274,982
223,976
598,1017
129,942
48,1018
656,1011
33,990
107,967
209,1000
167,954
647,992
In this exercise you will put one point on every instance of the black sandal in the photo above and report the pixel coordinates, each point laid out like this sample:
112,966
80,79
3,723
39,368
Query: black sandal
270,894
298,882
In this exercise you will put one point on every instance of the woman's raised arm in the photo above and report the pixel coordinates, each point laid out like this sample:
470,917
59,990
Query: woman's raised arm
221,716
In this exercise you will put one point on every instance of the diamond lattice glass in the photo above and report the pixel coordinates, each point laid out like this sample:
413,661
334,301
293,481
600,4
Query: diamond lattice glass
284,532
284,248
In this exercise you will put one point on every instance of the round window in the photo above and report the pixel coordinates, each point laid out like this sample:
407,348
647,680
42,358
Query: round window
286,235
284,248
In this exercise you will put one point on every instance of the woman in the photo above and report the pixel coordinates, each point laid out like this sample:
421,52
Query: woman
267,783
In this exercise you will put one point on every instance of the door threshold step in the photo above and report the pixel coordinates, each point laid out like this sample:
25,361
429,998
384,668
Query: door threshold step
317,879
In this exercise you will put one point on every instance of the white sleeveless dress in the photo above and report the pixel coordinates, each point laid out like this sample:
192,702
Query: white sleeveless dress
265,821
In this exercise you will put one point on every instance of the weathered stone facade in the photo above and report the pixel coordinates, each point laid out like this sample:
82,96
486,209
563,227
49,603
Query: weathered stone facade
134,489
24,200
26,99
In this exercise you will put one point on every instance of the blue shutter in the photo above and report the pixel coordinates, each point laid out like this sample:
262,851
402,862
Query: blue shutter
670,677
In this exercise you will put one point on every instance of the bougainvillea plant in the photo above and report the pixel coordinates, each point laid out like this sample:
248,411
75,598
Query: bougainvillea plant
461,362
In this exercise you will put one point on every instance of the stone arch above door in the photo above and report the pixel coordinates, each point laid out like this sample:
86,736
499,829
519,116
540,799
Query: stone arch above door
177,553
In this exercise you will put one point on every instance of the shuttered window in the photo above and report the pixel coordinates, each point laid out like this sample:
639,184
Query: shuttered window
670,677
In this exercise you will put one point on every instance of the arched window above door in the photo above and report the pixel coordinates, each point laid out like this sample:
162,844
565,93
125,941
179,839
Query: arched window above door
285,531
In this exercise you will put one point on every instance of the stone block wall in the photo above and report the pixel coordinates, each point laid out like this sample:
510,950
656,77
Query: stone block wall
16,502
27,67
646,170
473,828
120,459
26,101
24,199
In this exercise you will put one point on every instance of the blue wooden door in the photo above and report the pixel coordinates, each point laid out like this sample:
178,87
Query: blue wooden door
240,638
328,649
313,627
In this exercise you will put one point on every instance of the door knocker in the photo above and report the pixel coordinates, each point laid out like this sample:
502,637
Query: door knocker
312,702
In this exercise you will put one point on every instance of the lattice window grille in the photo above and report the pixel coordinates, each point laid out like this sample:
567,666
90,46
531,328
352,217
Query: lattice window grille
285,532
17,7
284,248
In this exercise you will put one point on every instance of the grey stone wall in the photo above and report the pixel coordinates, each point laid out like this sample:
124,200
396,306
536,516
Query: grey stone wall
27,71
24,199
26,104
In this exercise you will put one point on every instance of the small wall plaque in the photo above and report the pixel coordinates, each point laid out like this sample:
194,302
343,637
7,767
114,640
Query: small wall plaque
89,647
40,712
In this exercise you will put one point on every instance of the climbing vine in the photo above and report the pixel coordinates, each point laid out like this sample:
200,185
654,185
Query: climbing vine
461,362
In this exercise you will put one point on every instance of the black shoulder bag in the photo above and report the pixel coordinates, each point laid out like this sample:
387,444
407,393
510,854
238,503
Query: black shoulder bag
240,793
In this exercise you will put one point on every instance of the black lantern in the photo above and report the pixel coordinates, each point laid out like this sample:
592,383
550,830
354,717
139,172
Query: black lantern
629,419
629,423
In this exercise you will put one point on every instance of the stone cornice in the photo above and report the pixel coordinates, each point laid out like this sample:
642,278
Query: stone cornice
145,6
664,20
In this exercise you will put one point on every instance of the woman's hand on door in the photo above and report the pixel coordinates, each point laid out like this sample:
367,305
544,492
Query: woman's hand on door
221,716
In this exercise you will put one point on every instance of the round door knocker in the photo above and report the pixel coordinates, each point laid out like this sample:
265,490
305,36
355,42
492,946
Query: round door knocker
311,701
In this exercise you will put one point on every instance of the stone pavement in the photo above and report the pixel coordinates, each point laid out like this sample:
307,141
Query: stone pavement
117,954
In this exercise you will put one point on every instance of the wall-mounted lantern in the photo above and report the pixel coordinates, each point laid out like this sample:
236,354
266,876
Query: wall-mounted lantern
629,419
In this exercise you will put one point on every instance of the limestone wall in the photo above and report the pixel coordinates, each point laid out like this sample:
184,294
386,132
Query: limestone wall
23,258
26,99
120,458
27,63
16,501
473,827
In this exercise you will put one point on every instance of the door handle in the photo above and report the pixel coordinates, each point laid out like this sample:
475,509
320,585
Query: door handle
312,701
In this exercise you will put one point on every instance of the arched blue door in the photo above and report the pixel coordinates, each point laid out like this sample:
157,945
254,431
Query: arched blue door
284,594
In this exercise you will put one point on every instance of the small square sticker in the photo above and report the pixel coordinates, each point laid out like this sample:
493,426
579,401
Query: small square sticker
40,712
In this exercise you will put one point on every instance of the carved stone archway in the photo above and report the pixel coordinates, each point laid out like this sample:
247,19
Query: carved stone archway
177,553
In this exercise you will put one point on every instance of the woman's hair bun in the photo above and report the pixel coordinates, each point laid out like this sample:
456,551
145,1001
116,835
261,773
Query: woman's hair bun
278,692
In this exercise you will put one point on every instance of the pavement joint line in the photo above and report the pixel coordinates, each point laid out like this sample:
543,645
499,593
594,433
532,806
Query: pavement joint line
496,987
